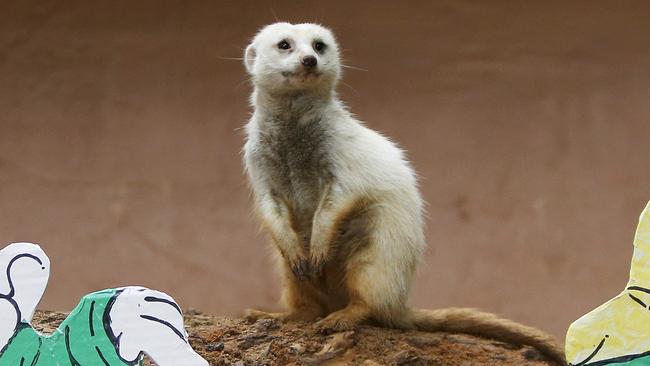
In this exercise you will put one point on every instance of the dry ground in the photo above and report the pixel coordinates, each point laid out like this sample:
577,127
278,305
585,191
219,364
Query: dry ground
225,341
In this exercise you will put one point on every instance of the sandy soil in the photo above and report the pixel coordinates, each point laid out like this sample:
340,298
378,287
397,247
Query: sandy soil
527,121
225,341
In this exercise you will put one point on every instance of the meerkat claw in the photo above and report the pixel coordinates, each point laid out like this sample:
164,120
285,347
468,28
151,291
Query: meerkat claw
300,269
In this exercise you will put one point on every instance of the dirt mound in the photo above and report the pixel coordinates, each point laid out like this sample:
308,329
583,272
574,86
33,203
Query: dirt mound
224,341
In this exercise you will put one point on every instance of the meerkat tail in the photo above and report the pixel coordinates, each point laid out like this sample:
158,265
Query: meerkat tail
471,321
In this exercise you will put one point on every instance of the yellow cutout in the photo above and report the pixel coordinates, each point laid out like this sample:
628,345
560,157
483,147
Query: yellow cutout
618,332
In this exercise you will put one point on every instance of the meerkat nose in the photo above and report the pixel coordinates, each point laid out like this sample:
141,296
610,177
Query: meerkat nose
309,61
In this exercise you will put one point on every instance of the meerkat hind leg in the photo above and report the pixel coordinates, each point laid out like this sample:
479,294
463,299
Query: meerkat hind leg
372,293
304,313
355,312
345,319
300,297
253,315
297,315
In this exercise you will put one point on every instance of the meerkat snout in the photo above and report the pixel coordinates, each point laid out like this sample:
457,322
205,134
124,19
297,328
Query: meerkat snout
309,61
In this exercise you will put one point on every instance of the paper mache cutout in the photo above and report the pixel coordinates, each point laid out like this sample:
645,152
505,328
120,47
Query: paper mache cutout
618,332
108,328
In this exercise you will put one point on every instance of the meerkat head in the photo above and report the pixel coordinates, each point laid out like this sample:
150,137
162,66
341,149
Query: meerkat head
293,57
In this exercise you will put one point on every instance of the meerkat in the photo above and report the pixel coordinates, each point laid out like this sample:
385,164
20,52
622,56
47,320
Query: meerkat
339,200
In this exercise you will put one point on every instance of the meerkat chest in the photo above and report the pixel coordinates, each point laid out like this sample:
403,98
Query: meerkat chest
295,159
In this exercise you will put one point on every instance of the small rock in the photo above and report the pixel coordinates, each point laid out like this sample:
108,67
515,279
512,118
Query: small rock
239,363
422,342
462,339
406,357
532,354
265,353
250,340
213,347
297,349
265,325
335,346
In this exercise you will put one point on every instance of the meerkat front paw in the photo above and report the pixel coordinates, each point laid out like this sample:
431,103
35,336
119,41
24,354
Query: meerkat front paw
298,263
319,253
318,257
345,319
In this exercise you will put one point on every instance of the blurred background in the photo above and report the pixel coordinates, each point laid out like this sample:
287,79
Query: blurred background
120,139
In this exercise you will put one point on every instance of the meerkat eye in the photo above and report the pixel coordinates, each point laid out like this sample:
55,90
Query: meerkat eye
284,45
319,46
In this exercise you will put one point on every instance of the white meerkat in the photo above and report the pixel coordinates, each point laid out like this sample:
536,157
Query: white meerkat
339,200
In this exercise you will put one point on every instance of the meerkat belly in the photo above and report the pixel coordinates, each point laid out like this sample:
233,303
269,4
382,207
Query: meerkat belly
297,166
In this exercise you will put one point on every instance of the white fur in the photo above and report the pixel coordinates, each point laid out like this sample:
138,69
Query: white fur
365,162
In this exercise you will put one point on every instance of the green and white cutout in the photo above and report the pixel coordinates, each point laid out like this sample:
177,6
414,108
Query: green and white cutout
108,328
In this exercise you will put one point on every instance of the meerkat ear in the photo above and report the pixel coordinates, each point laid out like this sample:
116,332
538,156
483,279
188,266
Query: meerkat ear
249,58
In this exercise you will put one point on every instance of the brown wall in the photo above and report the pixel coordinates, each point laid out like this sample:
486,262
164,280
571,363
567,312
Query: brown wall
527,121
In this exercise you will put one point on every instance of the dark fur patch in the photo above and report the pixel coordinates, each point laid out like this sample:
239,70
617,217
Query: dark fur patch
293,157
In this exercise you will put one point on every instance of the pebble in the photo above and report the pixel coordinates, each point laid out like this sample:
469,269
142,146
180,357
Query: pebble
250,340
405,357
265,325
297,349
532,354
212,347
422,342
462,339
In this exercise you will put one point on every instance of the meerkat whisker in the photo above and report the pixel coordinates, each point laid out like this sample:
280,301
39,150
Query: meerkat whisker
349,86
231,58
353,67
